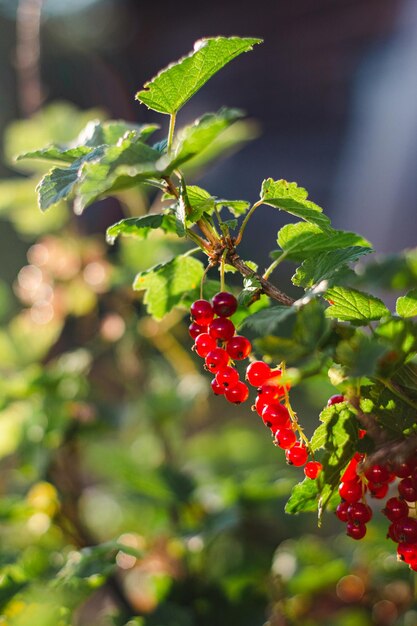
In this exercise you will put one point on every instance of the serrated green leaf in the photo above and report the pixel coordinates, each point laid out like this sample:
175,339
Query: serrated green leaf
304,497
236,207
350,305
360,355
268,321
407,305
293,199
175,85
141,226
167,284
56,153
303,239
251,290
326,265
200,202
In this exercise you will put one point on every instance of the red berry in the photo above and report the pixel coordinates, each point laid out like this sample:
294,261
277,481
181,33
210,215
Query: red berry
257,373
260,404
238,347
407,490
335,399
377,474
361,433
342,511
285,438
359,512
222,329
227,377
224,304
195,329
402,470
276,416
351,491
313,469
217,390
377,490
204,344
269,393
297,455
202,312
237,394
391,532
216,359
407,552
355,530
405,530
350,472
395,509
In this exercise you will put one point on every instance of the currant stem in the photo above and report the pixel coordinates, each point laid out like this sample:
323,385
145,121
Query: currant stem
274,265
172,120
203,278
222,264
246,220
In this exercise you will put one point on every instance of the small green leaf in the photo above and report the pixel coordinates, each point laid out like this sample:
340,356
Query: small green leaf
173,87
350,305
304,497
293,199
200,202
326,265
360,355
407,305
167,284
236,207
251,290
268,321
141,226
302,239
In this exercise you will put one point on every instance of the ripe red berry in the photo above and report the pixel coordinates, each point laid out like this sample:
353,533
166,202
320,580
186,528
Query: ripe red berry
359,512
407,552
407,490
257,373
395,509
216,359
202,312
260,404
405,530
221,328
269,393
351,491
285,438
377,474
227,377
350,472
217,390
204,344
342,511
237,394
377,490
195,329
238,347
361,433
356,530
335,399
224,304
297,455
312,469
276,416
402,470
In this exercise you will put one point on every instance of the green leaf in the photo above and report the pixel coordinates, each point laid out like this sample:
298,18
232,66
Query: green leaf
141,226
236,207
167,284
292,199
251,291
301,240
350,305
407,305
360,355
173,87
326,265
304,497
200,202
268,321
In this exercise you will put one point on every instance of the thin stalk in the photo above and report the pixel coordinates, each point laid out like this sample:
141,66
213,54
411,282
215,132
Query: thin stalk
222,264
204,245
203,278
246,220
397,393
172,120
274,265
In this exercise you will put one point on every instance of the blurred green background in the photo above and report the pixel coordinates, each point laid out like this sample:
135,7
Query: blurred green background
129,495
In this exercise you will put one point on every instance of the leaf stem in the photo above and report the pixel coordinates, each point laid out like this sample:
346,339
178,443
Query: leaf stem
274,265
222,263
203,278
246,220
172,120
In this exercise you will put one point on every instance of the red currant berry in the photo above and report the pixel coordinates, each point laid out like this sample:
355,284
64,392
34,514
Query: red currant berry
377,490
395,509
217,389
224,304
195,329
260,404
227,377
350,472
391,532
276,416
216,359
407,552
356,530
351,491
402,470
297,455
414,477
202,312
204,344
237,394
359,512
342,511
407,490
377,474
285,438
335,399
238,347
221,328
405,530
313,469
361,433
257,373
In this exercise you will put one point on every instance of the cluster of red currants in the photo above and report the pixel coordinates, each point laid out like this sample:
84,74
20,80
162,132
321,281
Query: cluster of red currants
217,343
